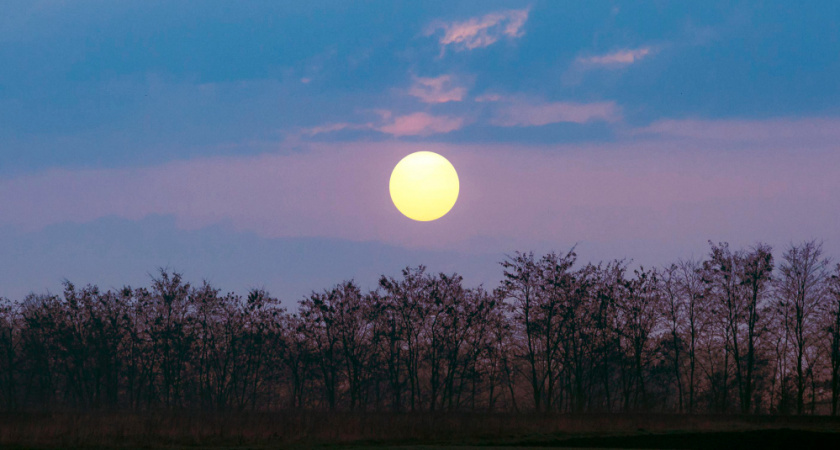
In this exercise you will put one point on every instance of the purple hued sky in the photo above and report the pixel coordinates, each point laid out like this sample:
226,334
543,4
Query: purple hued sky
250,144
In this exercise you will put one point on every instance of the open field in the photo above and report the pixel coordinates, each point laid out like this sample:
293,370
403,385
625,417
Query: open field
412,431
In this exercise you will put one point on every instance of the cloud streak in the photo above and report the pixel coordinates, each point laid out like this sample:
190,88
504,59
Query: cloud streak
520,113
333,127
746,131
480,32
619,58
413,124
441,89
421,124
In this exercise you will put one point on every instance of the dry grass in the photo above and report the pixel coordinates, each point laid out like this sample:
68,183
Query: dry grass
168,429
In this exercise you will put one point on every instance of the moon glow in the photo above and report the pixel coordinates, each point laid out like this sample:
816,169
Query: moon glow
424,186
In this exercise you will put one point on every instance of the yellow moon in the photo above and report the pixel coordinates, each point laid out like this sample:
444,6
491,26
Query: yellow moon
424,186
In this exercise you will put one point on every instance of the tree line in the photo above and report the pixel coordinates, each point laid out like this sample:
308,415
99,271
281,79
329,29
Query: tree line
734,332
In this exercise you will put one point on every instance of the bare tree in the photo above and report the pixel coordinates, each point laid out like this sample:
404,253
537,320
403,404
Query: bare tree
639,311
606,328
801,289
693,290
675,312
520,285
9,347
535,290
757,267
721,273
410,313
833,328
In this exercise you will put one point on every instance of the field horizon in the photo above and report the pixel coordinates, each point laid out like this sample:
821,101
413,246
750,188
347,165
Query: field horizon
409,430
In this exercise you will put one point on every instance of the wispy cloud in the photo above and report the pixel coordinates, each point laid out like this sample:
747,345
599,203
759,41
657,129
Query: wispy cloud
619,58
421,124
526,114
489,98
414,124
757,131
441,89
333,127
483,31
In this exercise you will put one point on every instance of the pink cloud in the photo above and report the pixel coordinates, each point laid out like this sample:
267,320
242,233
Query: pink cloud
617,58
437,90
421,124
523,114
483,31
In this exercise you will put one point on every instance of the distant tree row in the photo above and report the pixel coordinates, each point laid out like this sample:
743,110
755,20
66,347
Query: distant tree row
735,332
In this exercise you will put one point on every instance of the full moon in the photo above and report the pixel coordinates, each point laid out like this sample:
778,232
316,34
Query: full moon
424,186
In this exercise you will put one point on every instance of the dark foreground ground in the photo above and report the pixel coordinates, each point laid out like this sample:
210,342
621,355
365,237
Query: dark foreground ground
414,431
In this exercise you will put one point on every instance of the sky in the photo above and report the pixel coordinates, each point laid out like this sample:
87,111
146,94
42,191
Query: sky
250,144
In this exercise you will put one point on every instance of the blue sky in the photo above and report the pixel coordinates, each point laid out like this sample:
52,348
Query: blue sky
636,129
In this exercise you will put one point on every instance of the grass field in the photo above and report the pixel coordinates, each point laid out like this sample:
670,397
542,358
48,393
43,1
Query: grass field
413,431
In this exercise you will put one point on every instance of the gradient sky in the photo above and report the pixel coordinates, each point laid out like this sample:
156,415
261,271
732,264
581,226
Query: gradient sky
250,144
